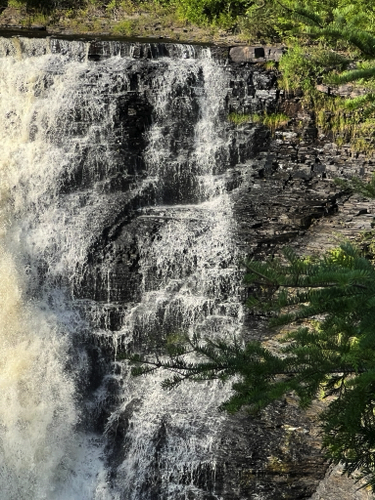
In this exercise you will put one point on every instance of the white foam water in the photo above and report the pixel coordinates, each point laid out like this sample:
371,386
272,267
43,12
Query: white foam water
43,455
190,279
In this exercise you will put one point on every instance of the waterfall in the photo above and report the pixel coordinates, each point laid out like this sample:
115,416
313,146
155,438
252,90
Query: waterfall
117,232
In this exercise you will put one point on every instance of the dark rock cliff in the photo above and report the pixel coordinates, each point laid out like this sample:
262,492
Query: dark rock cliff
289,197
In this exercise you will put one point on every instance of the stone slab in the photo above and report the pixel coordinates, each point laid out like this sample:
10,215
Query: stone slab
254,54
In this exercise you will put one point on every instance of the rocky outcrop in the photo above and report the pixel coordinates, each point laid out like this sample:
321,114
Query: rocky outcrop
338,486
256,54
289,197
348,90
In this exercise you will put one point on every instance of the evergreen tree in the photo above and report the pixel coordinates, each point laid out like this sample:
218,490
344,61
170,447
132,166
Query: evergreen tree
329,305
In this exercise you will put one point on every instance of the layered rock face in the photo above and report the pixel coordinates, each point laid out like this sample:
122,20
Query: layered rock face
136,199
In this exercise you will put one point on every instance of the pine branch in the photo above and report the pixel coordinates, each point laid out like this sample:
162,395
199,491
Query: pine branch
308,17
351,76
361,101
306,285
359,186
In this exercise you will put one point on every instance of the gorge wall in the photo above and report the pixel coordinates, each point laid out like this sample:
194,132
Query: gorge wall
128,201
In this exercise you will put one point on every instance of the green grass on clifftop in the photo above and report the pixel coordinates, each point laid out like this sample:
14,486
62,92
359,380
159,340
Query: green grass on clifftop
329,44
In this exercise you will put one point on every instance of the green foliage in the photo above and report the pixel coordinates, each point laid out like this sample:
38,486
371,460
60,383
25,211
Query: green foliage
347,120
273,121
257,20
361,102
359,186
338,22
45,5
295,70
342,26
301,67
241,118
350,76
205,12
265,21
366,241
339,31
125,27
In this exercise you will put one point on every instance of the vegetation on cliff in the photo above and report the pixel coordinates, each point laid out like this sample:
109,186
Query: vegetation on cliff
341,51
267,20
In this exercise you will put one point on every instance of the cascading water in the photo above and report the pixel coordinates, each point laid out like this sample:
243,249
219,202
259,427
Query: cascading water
116,232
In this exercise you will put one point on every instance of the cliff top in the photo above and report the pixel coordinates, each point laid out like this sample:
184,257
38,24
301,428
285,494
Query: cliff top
159,24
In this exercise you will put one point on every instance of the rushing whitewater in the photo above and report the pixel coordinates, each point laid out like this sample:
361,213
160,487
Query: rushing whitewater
116,232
